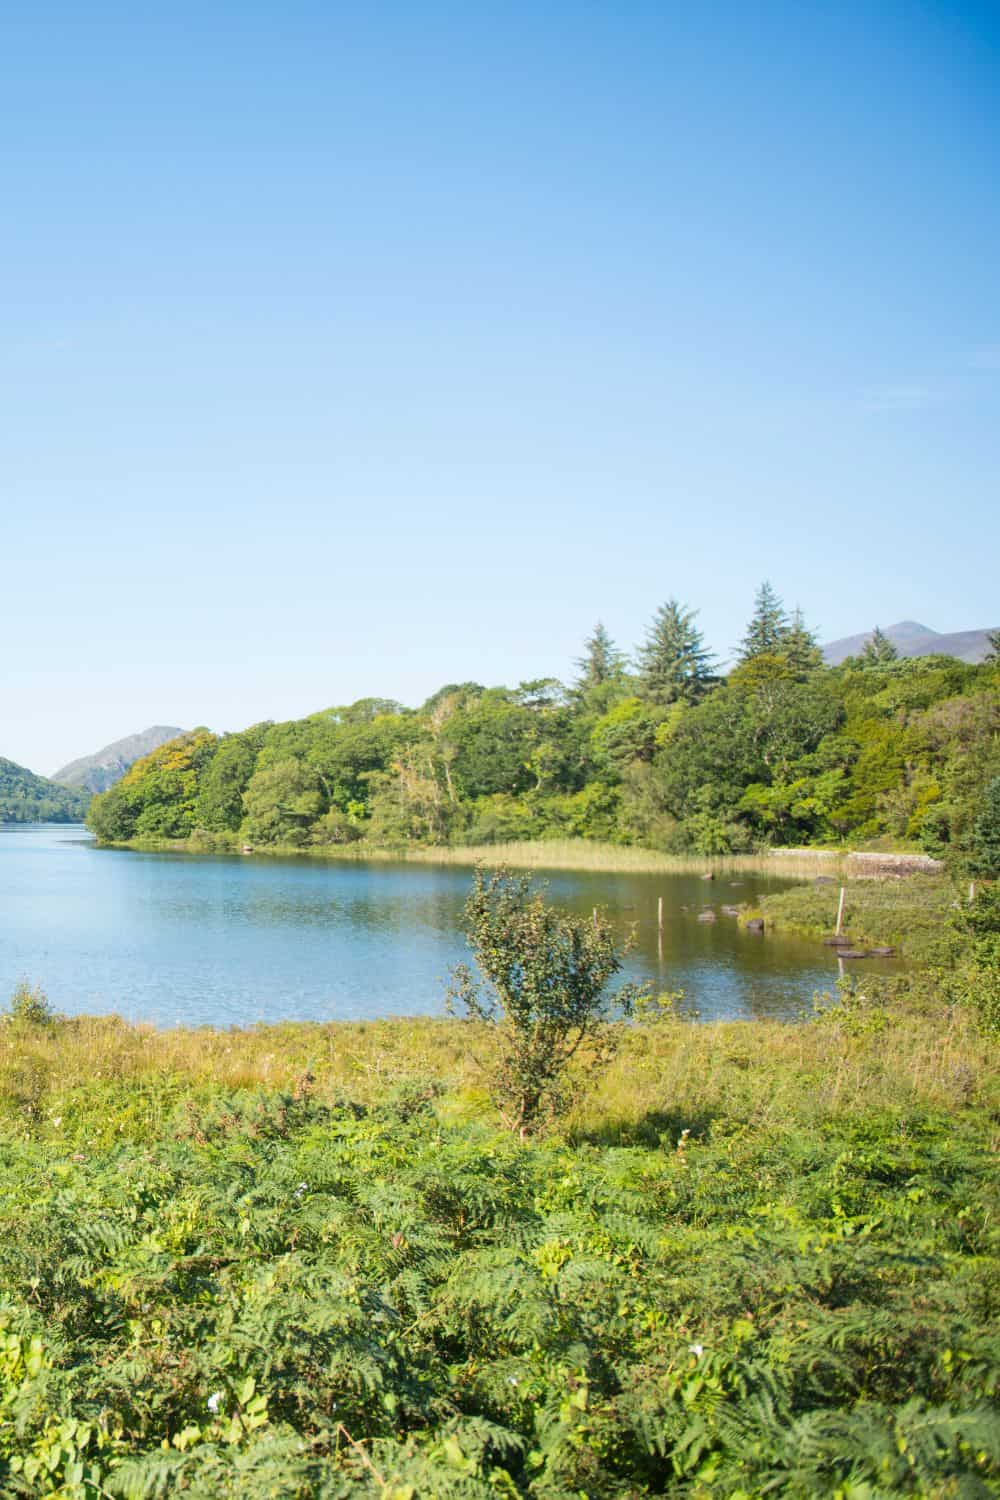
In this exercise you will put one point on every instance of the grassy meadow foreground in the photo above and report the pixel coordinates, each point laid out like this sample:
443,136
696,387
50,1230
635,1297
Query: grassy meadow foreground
306,1261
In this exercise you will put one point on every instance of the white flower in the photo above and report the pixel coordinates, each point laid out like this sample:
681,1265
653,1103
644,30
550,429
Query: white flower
696,1349
302,1188
512,1380
213,1402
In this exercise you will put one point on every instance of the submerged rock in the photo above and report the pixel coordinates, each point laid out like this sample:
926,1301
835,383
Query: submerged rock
755,924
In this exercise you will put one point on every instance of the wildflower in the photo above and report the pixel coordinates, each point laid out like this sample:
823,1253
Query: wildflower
213,1402
512,1380
302,1187
696,1349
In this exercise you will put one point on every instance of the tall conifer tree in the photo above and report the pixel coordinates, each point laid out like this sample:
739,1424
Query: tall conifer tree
768,626
879,650
673,662
800,647
601,663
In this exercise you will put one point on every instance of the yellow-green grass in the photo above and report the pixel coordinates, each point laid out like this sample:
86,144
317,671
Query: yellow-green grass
541,854
894,1049
914,915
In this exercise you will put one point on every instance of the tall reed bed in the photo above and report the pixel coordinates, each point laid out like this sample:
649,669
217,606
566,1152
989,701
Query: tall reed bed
585,854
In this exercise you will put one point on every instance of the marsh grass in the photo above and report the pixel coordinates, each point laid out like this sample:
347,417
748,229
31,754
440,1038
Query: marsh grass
539,854
581,854
914,1053
913,915
889,1047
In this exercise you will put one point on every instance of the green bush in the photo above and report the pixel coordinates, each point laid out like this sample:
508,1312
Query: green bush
543,1000
976,980
29,1006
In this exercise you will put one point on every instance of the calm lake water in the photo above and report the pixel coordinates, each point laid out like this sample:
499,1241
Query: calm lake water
196,939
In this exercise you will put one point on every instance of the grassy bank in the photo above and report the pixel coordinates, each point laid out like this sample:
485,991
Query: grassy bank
303,1261
912,915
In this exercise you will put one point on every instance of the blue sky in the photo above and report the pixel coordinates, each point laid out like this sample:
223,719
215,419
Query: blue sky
357,349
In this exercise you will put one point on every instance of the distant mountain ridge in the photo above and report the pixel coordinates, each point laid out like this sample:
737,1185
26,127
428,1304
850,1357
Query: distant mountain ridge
98,772
27,798
910,638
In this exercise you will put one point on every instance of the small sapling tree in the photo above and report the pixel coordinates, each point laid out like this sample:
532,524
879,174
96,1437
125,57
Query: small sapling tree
29,1007
542,993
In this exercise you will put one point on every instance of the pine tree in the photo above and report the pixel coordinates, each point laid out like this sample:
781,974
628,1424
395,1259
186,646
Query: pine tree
993,654
768,626
986,833
800,646
673,662
601,662
879,650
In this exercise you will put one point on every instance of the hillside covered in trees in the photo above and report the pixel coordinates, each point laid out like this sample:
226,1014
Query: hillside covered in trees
658,750
27,798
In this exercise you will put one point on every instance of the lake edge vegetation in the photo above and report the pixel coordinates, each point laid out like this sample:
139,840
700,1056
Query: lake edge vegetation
661,754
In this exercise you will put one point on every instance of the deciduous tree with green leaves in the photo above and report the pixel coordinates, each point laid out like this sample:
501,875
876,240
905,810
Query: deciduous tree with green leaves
542,994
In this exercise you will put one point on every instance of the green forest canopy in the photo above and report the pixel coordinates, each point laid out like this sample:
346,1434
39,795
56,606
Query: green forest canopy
664,752
27,798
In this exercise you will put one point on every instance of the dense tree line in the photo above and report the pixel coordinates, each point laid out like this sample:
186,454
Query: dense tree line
660,750
27,798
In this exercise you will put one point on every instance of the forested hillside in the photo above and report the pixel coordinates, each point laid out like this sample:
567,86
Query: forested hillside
27,798
659,750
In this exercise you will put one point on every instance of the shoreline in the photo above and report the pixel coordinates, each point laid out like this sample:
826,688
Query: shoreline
570,854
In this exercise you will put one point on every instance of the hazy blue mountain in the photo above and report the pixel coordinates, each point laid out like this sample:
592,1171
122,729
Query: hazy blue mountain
913,639
95,773
27,798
